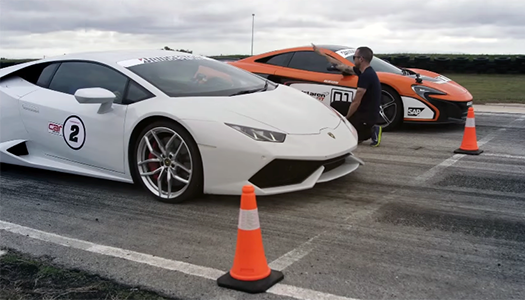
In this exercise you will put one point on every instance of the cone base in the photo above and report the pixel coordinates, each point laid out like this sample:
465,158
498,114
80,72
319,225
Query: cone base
470,152
252,287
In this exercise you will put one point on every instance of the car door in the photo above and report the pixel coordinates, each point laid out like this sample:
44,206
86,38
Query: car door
307,71
65,129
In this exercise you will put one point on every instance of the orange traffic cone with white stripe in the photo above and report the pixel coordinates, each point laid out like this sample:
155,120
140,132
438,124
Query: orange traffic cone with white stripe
469,145
250,272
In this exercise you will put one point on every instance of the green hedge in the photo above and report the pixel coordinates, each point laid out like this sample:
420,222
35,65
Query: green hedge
481,64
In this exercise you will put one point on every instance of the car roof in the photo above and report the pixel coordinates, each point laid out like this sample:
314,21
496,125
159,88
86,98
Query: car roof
114,56
334,48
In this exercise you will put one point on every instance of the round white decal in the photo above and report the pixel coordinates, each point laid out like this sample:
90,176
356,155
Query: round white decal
74,132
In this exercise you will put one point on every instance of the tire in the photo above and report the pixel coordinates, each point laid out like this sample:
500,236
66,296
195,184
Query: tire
187,158
394,112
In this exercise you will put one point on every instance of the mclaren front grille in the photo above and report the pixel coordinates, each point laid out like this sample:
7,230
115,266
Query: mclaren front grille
281,172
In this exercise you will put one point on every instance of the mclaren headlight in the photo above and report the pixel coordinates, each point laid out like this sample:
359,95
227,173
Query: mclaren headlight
424,91
262,135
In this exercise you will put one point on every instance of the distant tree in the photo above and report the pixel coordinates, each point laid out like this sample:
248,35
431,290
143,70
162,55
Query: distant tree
180,50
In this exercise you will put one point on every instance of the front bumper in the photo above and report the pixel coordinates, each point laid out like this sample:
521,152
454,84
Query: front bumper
232,160
450,112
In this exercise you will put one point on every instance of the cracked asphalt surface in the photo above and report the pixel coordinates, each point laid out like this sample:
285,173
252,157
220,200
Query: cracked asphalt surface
382,232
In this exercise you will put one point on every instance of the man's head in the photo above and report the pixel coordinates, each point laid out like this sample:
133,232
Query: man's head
363,55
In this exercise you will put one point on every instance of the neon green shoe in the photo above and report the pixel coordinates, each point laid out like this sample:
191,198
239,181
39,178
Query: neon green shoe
376,135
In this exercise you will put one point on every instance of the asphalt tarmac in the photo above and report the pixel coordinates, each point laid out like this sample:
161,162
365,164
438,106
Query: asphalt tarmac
416,222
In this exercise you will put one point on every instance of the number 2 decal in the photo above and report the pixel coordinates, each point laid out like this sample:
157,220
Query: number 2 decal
74,132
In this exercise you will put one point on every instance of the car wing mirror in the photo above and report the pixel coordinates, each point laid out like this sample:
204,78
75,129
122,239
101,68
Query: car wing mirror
98,95
330,67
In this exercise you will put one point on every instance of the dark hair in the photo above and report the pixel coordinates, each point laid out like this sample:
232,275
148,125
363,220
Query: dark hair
366,53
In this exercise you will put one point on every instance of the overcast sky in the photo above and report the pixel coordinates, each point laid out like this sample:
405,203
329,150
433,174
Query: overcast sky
34,28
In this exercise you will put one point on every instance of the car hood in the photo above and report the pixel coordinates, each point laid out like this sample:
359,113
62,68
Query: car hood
438,81
284,109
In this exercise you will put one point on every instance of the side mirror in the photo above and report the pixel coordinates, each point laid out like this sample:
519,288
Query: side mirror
96,95
331,67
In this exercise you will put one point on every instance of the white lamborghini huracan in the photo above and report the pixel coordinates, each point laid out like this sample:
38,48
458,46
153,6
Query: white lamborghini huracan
176,123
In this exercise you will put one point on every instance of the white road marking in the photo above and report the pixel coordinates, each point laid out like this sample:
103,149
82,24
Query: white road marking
294,255
504,155
174,265
2,252
454,159
300,293
304,249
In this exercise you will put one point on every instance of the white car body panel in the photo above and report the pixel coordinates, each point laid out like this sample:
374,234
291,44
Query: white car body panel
327,94
37,116
416,109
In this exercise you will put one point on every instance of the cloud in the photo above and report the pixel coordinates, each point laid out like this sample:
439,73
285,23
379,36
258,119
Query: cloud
53,27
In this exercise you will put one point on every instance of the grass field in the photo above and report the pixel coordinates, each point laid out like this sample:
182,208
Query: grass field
500,88
25,277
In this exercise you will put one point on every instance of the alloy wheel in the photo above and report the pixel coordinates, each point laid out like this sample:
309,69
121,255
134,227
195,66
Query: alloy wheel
164,162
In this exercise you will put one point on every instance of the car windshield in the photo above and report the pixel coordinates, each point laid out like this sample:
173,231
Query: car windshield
379,65
183,76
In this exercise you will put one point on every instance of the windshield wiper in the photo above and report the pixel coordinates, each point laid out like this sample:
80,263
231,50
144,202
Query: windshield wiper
264,88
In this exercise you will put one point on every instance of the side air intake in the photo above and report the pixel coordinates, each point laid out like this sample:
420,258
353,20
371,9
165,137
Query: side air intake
19,149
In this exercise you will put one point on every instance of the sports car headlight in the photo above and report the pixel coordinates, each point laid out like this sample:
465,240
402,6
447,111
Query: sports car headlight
424,91
260,134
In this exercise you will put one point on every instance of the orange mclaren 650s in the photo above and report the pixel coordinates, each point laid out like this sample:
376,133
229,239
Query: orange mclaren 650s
409,95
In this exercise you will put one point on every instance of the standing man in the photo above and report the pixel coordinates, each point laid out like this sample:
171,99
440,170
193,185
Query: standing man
364,110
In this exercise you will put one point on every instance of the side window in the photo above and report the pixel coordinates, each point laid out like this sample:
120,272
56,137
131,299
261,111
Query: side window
72,76
135,93
277,60
310,61
45,77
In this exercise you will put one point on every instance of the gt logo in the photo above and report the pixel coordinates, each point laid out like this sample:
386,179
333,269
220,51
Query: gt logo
415,111
341,96
54,128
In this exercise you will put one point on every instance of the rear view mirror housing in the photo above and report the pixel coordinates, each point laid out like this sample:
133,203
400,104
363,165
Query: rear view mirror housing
331,67
96,95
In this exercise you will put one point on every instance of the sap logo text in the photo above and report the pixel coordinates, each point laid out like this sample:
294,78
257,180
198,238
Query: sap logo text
415,111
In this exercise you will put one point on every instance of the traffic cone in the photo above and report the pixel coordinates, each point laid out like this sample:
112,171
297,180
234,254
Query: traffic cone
469,145
250,272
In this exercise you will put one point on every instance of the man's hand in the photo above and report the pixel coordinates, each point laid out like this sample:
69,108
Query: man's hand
355,102
316,50
342,67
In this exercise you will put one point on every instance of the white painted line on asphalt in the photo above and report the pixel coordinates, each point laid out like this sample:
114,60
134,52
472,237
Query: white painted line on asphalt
174,265
454,159
504,155
439,167
300,293
294,255
2,252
